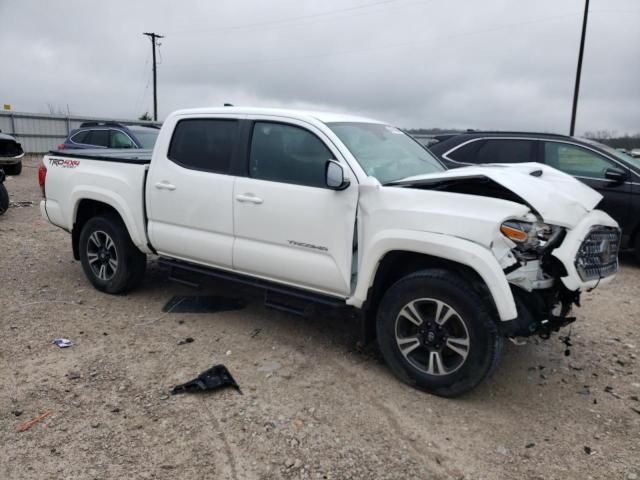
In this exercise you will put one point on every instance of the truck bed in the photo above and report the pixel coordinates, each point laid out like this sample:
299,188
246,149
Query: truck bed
122,155
77,179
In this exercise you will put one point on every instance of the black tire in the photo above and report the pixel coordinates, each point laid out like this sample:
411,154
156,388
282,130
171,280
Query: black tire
15,169
447,373
4,199
124,265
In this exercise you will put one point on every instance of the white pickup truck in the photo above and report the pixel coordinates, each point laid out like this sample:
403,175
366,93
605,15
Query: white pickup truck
345,211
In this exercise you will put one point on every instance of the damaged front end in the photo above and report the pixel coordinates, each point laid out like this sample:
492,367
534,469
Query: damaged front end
535,273
544,304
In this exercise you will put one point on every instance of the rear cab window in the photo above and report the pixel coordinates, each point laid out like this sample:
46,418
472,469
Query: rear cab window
204,144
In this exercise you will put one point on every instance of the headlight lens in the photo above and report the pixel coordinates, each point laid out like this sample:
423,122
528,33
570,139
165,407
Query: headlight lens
516,231
527,235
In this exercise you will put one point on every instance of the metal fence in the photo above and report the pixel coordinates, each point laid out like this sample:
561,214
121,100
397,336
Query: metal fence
39,132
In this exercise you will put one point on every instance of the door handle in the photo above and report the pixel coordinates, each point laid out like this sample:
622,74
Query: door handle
250,198
165,186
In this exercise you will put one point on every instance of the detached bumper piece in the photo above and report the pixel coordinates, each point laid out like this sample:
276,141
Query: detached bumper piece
598,255
213,379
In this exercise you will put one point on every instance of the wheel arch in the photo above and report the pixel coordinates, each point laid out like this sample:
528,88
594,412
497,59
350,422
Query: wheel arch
85,210
403,253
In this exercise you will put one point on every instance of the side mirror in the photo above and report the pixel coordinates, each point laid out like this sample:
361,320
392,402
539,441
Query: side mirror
334,176
615,175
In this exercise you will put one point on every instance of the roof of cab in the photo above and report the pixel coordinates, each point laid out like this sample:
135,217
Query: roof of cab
324,117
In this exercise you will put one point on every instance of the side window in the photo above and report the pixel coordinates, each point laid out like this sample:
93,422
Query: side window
467,153
506,151
284,153
575,160
204,144
120,140
100,138
80,137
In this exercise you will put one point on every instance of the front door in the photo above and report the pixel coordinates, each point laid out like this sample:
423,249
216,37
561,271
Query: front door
288,226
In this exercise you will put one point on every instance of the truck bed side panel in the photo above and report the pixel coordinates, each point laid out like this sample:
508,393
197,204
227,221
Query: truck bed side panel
117,184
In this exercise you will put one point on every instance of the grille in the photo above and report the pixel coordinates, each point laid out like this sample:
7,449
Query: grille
598,255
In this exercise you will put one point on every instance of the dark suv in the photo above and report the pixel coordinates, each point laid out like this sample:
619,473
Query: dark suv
110,135
612,173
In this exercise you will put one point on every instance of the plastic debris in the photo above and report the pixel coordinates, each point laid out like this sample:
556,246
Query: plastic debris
27,425
62,342
216,377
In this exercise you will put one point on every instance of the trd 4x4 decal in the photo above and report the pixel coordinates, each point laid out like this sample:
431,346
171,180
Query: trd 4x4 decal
58,162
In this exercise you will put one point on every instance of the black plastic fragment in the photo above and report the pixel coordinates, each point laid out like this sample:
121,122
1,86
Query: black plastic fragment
202,304
215,378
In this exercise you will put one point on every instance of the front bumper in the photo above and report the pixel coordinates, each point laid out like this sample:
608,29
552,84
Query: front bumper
11,160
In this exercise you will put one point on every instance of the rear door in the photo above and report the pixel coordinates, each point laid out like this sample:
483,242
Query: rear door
189,191
289,227
589,167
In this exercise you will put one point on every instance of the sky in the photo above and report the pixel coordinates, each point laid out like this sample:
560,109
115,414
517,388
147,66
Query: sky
495,64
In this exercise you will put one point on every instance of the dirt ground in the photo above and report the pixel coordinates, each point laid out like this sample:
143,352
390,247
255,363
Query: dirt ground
314,406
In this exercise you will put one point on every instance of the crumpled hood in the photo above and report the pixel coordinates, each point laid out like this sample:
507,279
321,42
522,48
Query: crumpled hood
557,197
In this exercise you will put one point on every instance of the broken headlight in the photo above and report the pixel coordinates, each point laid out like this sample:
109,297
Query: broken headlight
530,235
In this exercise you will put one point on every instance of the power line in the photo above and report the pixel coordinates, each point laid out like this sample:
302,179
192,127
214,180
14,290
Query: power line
153,36
384,47
284,20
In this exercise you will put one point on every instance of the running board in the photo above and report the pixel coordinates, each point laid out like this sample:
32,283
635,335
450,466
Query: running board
179,269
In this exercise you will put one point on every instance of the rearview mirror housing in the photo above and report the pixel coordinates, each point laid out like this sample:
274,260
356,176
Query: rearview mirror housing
334,176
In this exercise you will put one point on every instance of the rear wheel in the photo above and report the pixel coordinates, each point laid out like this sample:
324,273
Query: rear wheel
109,258
15,169
436,333
4,199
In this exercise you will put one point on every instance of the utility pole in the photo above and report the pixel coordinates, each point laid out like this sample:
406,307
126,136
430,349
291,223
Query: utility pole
576,89
153,37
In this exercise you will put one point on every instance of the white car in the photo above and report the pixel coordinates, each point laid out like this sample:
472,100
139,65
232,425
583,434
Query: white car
348,212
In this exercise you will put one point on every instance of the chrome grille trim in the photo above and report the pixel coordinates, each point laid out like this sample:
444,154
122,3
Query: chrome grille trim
597,256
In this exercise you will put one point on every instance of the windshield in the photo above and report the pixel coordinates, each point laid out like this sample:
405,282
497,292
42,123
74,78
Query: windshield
615,153
147,137
384,152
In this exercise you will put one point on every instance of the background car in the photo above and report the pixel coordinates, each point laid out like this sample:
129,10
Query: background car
11,154
612,173
110,135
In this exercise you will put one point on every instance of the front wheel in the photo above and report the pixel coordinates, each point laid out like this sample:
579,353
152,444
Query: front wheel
109,258
436,333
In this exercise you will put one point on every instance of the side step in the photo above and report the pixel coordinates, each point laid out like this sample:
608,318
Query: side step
277,296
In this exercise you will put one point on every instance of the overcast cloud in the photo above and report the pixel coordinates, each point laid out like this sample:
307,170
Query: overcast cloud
503,64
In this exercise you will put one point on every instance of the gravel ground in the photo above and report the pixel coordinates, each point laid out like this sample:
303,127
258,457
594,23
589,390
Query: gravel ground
314,406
